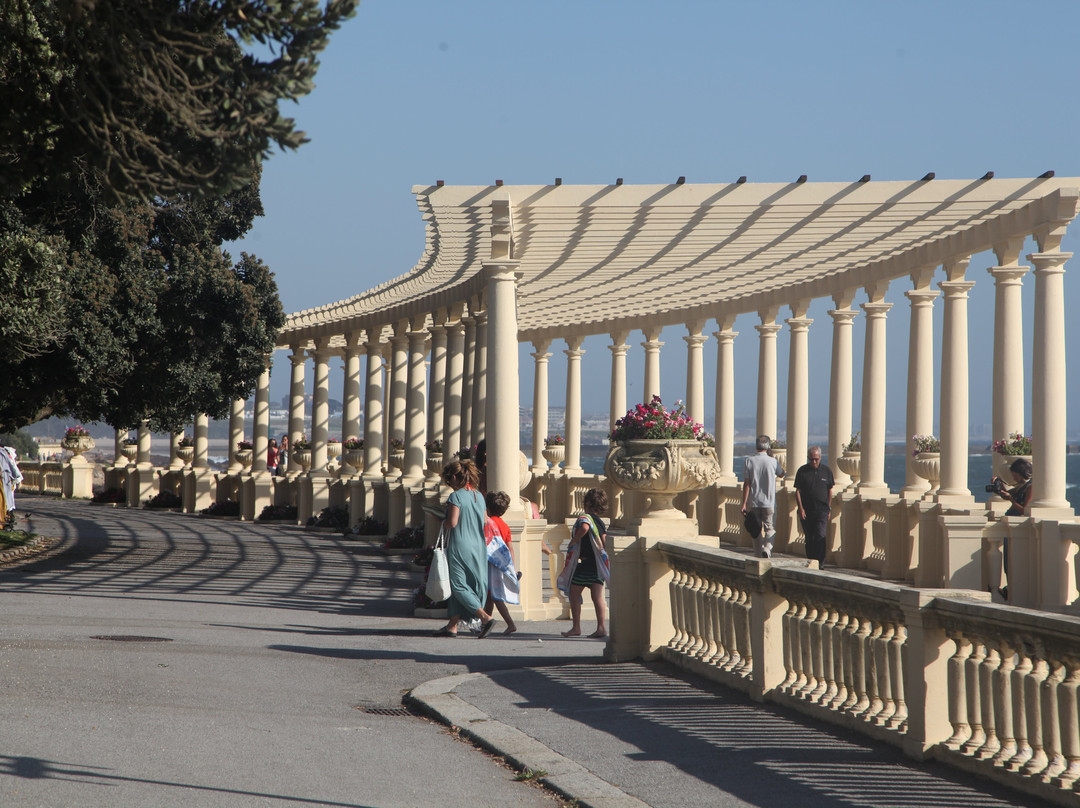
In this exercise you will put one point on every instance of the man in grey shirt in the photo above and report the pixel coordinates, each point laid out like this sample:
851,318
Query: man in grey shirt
759,493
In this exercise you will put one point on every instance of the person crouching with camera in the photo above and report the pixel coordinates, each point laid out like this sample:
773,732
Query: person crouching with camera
1019,496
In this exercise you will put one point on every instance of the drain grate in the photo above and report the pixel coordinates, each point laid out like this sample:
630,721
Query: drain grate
130,638
396,712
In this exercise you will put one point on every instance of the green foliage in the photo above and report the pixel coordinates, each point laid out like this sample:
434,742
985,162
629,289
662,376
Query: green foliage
158,98
22,441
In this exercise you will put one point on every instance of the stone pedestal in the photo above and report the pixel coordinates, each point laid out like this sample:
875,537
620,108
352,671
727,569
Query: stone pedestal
78,482
198,489
142,483
256,492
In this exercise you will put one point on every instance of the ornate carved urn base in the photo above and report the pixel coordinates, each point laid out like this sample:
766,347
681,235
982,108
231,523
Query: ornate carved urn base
78,445
302,458
554,454
185,454
928,466
662,469
850,463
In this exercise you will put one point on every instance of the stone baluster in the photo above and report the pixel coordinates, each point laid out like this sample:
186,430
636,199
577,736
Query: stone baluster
957,687
1003,702
725,399
954,386
652,346
972,687
920,379
828,665
541,363
677,587
712,628
373,405
574,352
1033,687
897,644
875,373
1069,718
790,644
989,700
1051,720
766,383
840,659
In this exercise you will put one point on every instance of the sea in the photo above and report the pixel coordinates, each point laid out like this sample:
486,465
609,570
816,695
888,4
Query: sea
979,471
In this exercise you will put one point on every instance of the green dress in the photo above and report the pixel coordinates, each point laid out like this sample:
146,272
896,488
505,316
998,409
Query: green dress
467,555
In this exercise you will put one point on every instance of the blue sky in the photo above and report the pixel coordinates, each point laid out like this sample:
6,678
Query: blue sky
469,92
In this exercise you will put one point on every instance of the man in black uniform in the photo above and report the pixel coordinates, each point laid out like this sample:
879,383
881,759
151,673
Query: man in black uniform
813,493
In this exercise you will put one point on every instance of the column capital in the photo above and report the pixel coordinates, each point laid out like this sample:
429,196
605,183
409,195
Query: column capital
844,298
725,336
956,289
321,353
922,297
618,337
541,357
574,353
541,345
437,328
1008,275
922,276
876,310
768,329
652,345
956,267
691,340
876,291
843,316
619,349
799,324
1049,261
298,356
502,270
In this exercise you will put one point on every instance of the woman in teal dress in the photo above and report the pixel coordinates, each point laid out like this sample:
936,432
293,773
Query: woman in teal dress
466,553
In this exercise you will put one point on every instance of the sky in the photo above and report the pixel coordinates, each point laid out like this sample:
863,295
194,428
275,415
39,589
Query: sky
413,91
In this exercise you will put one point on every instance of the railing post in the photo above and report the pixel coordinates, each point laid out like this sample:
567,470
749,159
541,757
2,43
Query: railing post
926,674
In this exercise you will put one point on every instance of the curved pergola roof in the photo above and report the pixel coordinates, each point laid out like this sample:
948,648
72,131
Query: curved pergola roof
606,258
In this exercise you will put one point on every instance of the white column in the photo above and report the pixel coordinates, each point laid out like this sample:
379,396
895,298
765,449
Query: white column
875,373
503,428
320,406
350,401
437,401
455,371
617,405
119,436
296,394
540,404
572,463
652,346
468,380
695,371
1008,399
954,385
725,397
144,438
478,412
399,379
416,415
920,378
840,382
202,427
1048,400
373,405
766,383
798,395
236,434
260,434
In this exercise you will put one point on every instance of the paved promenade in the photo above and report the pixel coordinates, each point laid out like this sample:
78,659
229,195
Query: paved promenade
157,659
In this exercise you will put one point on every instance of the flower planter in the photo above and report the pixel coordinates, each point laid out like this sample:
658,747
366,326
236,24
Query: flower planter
355,458
185,454
302,458
129,451
928,466
435,463
780,455
333,451
850,463
397,459
555,454
244,457
78,444
662,469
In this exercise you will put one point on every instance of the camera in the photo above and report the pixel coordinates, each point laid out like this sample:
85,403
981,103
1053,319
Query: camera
997,487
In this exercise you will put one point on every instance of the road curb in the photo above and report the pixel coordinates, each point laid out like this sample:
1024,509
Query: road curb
437,700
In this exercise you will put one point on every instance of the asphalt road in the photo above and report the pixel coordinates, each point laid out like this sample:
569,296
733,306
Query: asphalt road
167,660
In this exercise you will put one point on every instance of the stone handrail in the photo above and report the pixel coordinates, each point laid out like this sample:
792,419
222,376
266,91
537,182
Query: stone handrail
940,673
42,477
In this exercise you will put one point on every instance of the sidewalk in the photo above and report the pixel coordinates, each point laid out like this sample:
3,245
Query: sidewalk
646,734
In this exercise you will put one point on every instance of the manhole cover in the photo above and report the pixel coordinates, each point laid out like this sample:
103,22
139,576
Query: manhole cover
399,712
130,638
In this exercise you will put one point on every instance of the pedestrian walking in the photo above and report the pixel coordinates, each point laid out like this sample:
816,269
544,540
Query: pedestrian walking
759,493
813,493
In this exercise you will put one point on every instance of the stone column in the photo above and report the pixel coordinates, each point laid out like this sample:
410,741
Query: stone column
766,383
954,386
725,398
399,379
695,371
468,380
296,396
478,412
540,404
437,402
320,406
840,391
373,405
1048,400
798,395
572,463
236,434
143,435
416,412
920,378
875,373
350,400
503,428
619,348
202,427
455,370
1008,399
652,346
119,436
260,434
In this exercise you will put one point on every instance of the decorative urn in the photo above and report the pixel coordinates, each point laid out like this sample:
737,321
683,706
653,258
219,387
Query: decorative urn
662,469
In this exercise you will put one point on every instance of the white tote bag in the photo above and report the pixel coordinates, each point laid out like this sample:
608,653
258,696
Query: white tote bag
438,582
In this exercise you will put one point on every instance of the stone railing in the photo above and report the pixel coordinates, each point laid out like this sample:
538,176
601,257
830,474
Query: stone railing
939,673
42,477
